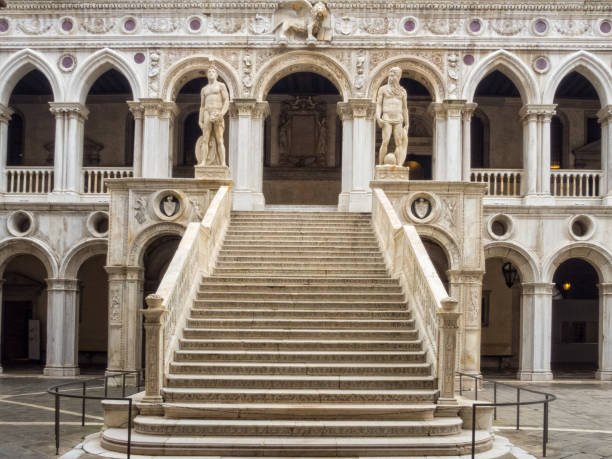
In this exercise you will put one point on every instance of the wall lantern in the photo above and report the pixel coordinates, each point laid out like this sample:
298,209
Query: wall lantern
566,286
510,274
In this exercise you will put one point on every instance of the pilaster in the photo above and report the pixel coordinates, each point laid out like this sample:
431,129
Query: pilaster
5,116
154,317
438,160
448,320
137,110
345,113
454,162
604,371
157,137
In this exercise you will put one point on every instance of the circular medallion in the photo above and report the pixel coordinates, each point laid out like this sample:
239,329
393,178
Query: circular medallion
169,204
421,208
4,25
67,63
139,58
468,59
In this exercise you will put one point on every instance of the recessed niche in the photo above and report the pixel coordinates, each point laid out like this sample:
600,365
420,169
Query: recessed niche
20,223
97,224
500,227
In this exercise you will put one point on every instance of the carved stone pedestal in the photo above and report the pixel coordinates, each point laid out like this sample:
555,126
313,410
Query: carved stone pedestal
212,172
389,172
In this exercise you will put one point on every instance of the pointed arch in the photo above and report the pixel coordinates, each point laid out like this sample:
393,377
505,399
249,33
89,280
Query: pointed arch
302,61
194,67
19,65
597,256
94,66
74,259
511,66
589,66
521,258
10,248
416,68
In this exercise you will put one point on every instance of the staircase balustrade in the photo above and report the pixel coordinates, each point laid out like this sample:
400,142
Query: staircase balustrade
435,312
502,182
93,178
576,183
168,307
29,180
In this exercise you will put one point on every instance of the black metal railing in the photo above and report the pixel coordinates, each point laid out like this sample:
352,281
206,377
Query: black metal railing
544,398
84,385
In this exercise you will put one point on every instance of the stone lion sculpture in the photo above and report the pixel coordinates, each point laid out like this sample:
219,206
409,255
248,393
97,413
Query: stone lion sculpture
299,18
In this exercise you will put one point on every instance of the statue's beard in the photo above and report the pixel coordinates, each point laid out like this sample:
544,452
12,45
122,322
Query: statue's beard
396,88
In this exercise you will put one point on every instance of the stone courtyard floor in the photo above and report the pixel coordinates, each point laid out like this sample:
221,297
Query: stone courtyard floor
580,420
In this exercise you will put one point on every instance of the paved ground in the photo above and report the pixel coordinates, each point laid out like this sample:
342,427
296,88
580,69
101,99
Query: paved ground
580,420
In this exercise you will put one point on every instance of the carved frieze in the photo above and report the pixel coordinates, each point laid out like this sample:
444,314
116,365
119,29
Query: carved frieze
140,210
34,26
508,27
571,27
227,25
98,25
345,25
153,72
442,26
162,25
377,26
259,25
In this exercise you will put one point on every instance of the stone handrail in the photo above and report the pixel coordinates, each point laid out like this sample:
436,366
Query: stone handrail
501,182
578,183
168,308
435,312
93,178
29,180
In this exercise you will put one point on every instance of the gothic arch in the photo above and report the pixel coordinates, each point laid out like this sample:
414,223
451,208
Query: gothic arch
148,235
10,248
511,66
301,61
521,258
96,65
588,65
416,68
72,261
597,256
196,66
20,64
446,241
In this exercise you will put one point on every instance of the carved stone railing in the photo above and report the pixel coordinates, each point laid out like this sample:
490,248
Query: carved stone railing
501,182
169,306
435,313
93,178
29,180
576,183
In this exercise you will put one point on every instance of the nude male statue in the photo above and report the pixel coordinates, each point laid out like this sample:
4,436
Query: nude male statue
215,104
392,117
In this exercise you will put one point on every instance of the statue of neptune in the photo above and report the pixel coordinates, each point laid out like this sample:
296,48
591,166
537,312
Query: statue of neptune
215,104
392,117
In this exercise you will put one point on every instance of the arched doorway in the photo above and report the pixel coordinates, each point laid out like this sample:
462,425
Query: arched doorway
439,259
187,129
575,318
93,314
302,142
24,314
500,317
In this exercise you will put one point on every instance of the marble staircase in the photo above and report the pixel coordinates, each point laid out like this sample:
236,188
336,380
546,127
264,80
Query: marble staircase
299,345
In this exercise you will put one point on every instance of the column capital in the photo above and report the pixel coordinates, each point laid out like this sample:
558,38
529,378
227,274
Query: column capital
73,109
546,111
362,108
468,111
136,108
437,110
465,276
158,107
605,114
5,113
605,288
344,111
537,288
59,284
249,108
454,107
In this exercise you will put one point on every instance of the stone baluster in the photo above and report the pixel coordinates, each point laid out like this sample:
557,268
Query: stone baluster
5,117
448,324
466,120
605,187
604,372
154,317
138,112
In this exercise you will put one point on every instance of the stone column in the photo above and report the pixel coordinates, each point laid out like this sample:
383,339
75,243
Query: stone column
529,182
138,112
536,325
62,328
453,166
604,372
544,118
448,320
438,160
466,120
124,319
154,317
157,138
5,117
346,117
605,187
1,324
246,152
363,143
70,120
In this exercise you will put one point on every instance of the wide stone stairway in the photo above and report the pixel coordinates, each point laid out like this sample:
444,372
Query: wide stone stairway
301,345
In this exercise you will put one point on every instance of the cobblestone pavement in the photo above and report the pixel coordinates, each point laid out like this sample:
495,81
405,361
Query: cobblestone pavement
580,419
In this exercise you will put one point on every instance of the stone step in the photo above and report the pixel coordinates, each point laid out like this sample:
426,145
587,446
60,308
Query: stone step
303,271
295,304
297,428
300,369
304,258
272,333
306,281
300,412
374,383
373,313
270,344
299,245
314,266
211,285
256,214
285,447
309,396
300,356
293,225
328,239
263,295
295,249
300,323
279,234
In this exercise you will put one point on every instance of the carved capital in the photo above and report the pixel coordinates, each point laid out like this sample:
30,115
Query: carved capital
63,285
468,111
242,107
136,108
537,288
344,110
605,114
605,288
437,110
261,110
454,107
531,112
5,113
70,109
159,108
362,108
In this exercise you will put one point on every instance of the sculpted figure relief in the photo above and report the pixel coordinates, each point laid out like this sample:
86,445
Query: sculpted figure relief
302,18
210,149
392,118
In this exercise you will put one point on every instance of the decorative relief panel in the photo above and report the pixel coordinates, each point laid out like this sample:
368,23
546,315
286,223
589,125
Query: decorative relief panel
259,25
227,25
377,26
162,25
153,73
571,27
508,27
442,26
345,25
35,26
98,25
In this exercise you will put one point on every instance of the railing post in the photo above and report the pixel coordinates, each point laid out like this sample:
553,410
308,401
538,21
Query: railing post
153,321
447,350
473,430
518,408
129,429
545,428
83,407
495,400
57,421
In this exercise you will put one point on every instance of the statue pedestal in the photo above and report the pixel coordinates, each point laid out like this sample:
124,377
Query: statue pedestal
389,172
212,172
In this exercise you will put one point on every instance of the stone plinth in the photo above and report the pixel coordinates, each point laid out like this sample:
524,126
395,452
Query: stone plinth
212,172
391,172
